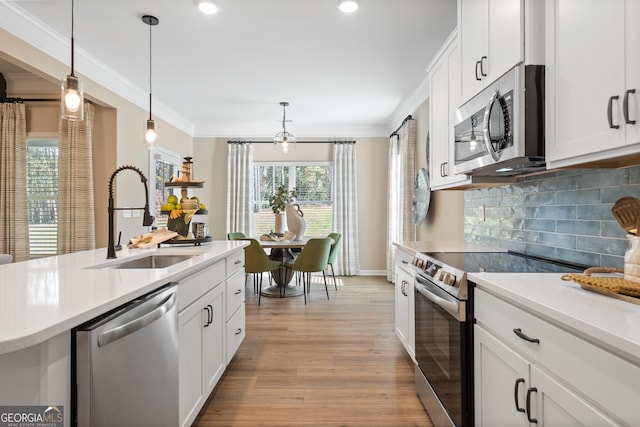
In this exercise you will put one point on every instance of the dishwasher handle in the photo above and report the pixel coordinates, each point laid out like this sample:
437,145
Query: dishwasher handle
130,327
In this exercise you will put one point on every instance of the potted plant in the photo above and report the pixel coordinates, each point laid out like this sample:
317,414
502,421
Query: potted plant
277,203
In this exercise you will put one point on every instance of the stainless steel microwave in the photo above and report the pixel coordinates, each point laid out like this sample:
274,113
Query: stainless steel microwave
500,132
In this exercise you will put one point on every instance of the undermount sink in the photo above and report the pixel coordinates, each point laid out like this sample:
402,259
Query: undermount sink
152,261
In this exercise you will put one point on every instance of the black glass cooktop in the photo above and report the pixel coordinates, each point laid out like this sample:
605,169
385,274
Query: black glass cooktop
503,262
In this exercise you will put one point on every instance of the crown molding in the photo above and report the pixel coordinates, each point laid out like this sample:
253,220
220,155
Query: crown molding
256,131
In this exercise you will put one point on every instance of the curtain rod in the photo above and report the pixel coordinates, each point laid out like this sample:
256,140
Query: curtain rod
23,100
299,142
395,132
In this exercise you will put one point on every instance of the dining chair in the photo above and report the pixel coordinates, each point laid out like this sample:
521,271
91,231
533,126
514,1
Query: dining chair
235,236
332,255
312,258
257,262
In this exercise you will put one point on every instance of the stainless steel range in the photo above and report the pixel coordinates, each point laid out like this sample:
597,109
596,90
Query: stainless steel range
444,325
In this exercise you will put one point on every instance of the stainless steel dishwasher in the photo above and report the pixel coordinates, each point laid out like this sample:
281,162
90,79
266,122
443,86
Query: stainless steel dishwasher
127,364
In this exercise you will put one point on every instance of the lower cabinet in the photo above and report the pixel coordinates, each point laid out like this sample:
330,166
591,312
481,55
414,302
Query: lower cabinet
404,303
528,372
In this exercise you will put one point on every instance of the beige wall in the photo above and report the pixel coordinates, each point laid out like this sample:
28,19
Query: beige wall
118,135
210,161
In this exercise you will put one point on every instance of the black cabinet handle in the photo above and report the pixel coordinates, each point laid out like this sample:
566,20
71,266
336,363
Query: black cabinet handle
531,390
238,292
208,316
477,65
515,394
519,333
610,112
404,261
625,107
239,331
482,66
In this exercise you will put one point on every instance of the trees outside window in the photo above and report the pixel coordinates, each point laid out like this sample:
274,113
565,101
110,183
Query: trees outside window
312,181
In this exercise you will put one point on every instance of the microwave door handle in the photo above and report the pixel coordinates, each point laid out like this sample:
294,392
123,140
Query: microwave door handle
487,133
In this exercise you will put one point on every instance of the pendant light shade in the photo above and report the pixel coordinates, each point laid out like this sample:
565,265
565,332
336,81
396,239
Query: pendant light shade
284,139
150,134
72,92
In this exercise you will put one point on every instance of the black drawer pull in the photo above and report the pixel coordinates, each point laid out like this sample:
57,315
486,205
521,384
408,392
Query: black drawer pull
482,66
238,331
519,333
515,394
239,291
625,107
531,390
610,112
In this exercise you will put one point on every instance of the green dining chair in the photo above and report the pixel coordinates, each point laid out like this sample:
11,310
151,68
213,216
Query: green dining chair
312,258
257,262
235,236
332,255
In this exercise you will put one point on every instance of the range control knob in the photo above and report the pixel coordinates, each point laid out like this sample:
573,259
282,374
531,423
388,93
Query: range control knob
447,278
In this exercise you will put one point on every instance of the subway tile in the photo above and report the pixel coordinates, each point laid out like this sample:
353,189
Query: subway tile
512,245
540,250
634,175
566,241
601,178
612,229
613,261
610,195
578,197
546,198
531,236
551,212
540,224
559,184
602,245
594,212
510,201
587,259
580,227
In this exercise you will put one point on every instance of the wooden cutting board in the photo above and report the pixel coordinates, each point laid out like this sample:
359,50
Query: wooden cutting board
147,240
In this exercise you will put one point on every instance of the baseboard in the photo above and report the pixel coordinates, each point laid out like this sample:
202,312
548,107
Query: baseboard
373,273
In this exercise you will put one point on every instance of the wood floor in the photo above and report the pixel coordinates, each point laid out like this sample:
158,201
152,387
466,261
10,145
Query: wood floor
332,362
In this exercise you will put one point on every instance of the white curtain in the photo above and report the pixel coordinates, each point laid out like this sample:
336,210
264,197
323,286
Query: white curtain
14,221
402,170
76,218
345,209
240,188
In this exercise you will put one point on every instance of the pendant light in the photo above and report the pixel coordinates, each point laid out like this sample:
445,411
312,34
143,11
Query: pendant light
72,97
348,6
150,134
284,138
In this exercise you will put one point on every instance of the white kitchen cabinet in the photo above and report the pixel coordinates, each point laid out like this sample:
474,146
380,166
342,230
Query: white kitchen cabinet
235,319
444,82
592,71
528,369
492,39
405,303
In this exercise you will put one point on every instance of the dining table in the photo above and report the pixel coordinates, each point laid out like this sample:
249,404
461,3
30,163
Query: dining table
281,250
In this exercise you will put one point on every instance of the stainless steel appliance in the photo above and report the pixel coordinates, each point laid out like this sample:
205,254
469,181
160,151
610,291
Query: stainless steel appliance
500,132
444,325
126,364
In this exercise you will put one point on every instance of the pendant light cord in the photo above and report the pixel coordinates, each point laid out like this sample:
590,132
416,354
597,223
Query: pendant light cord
72,40
150,72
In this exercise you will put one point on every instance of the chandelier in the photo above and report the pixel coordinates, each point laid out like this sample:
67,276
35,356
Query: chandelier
284,138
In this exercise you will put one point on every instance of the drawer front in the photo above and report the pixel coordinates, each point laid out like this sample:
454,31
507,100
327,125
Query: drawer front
590,370
235,333
235,262
194,286
234,293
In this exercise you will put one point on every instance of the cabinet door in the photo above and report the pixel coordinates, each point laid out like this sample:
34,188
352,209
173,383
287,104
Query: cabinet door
235,333
402,305
505,25
633,70
191,321
585,63
554,405
501,377
439,124
213,336
471,17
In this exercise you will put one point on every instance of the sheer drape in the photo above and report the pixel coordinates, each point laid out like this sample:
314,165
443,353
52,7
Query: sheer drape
76,219
345,208
14,232
240,188
400,226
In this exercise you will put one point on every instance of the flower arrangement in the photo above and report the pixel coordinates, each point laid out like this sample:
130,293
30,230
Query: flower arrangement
280,198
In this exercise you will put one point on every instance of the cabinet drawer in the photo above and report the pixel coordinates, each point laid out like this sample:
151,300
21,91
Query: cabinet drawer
605,379
402,259
235,333
194,286
235,262
234,293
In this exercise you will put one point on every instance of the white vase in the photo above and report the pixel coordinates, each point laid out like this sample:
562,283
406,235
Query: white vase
279,228
295,220
632,259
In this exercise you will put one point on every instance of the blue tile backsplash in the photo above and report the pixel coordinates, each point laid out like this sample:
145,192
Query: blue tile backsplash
562,215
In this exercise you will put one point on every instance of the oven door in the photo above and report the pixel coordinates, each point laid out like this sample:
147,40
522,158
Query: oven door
443,345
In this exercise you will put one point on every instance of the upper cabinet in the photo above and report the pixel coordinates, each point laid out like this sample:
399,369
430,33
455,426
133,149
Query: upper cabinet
593,80
496,35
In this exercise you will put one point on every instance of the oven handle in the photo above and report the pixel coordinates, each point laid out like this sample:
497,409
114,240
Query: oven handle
453,308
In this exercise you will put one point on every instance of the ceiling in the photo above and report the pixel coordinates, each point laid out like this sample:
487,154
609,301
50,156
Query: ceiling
224,75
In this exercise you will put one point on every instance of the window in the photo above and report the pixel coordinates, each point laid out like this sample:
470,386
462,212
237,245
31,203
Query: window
162,165
42,195
312,181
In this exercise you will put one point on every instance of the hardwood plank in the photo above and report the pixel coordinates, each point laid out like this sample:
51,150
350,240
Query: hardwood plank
332,362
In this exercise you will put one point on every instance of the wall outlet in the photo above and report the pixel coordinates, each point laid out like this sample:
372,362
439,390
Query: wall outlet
126,213
481,216
136,213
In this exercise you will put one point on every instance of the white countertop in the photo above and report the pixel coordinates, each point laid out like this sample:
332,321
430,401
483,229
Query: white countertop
42,298
443,246
609,322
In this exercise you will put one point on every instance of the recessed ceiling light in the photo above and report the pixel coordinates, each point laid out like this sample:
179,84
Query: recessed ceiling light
208,7
348,6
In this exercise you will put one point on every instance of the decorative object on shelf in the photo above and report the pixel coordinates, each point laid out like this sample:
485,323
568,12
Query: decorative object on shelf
187,169
278,202
72,99
179,221
150,134
421,196
295,220
284,139
632,259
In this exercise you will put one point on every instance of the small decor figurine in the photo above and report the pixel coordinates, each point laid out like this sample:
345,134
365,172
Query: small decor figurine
278,202
295,220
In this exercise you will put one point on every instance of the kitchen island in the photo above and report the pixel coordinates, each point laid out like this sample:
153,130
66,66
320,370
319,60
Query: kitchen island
42,300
